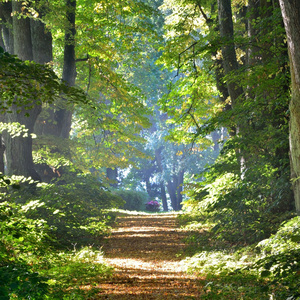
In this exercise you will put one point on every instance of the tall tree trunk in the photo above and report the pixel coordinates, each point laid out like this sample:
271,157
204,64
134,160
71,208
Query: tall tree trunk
19,149
228,50
7,26
163,195
57,119
2,44
31,42
162,183
175,188
7,45
218,64
64,116
291,16
41,42
180,189
172,193
253,14
230,64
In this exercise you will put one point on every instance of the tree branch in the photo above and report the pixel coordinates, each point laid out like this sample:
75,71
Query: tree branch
207,19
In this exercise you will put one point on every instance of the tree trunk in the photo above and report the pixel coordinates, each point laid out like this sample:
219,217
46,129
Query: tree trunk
7,25
112,175
291,16
230,64
228,50
19,149
22,33
253,15
56,120
172,193
175,188
64,116
180,189
31,42
2,44
41,42
163,196
162,183
218,65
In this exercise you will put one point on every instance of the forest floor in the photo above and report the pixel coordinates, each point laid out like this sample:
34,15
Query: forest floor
145,251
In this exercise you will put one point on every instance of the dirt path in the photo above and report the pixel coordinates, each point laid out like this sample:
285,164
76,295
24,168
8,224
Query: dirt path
144,251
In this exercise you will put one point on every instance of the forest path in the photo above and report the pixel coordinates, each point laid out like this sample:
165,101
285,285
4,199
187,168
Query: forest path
144,250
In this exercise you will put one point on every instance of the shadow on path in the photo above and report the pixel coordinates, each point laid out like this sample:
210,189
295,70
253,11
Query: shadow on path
145,252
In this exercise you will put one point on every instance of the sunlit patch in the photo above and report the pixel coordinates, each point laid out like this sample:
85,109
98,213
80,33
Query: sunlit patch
143,251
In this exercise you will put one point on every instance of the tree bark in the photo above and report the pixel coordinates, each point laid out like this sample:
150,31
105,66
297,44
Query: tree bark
180,189
31,42
7,25
175,188
22,33
41,42
253,14
163,195
291,16
228,49
19,149
57,119
64,116
162,183
172,193
230,64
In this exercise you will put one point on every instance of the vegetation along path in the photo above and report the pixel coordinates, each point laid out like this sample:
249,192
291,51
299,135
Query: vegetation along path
144,249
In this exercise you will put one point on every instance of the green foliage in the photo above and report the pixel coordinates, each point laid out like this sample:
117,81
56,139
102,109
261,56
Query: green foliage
243,208
21,236
18,280
250,182
74,208
22,83
32,230
270,267
84,267
279,258
134,200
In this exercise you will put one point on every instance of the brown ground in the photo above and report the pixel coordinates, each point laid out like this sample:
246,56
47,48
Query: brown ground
144,249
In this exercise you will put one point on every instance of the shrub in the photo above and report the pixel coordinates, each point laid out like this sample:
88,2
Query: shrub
134,200
152,206
20,237
75,208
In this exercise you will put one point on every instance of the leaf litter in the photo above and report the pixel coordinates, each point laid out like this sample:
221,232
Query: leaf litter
145,251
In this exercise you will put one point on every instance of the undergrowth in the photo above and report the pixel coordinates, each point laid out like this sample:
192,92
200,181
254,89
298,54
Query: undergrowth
50,239
269,269
245,237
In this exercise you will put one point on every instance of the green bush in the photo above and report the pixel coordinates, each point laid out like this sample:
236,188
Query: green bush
75,208
84,267
244,208
21,237
279,259
44,219
134,200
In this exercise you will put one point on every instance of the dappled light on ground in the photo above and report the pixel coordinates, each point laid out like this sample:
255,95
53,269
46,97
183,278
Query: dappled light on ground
146,251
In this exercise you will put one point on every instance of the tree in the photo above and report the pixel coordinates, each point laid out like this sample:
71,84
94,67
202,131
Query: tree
291,17
97,70
236,54
30,42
